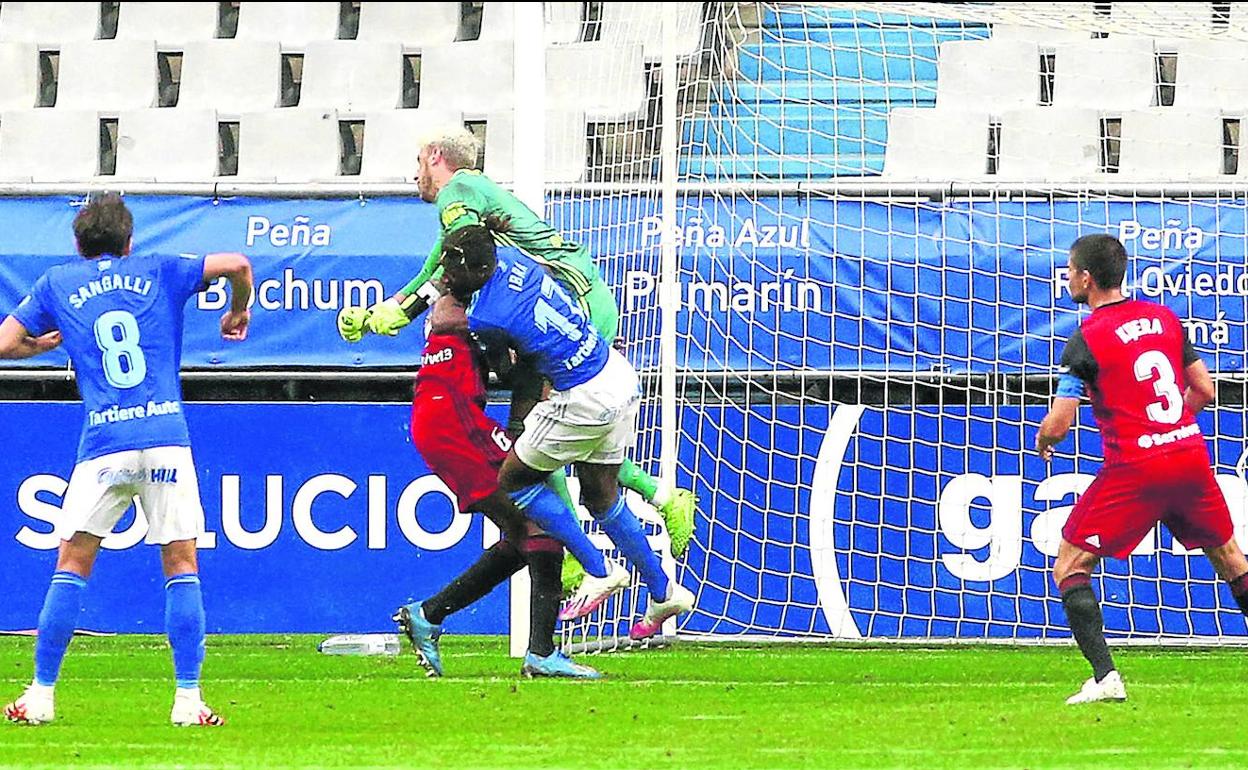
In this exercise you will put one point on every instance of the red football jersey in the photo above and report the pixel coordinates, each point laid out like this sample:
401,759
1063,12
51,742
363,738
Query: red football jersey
450,362
1133,355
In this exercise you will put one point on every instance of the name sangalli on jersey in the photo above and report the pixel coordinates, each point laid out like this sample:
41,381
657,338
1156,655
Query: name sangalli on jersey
107,283
1138,327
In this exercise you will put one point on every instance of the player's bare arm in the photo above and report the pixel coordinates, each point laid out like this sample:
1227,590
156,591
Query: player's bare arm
1055,425
237,268
17,342
1200,388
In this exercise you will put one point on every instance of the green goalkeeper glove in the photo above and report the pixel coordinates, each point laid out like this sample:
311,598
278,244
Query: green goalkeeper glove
387,318
351,323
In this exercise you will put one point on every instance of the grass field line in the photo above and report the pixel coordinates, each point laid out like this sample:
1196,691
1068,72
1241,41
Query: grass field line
373,679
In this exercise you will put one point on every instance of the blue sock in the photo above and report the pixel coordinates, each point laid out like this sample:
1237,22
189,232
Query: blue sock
184,622
57,622
624,529
540,504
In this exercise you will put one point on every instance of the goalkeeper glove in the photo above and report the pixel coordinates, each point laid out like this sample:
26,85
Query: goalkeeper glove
351,323
387,318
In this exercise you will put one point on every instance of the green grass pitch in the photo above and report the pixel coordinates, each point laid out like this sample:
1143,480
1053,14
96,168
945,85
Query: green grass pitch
688,706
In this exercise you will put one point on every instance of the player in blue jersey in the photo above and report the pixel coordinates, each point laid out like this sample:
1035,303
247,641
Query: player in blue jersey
119,318
589,420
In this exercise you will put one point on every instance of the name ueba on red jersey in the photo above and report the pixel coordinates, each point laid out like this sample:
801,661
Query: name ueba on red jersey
1132,355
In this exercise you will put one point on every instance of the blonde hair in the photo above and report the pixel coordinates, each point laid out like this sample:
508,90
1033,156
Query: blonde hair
458,146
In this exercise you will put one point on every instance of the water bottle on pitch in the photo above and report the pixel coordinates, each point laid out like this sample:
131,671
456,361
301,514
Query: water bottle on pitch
361,644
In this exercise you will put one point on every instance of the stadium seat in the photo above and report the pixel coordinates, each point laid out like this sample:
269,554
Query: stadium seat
1002,73
936,144
164,145
1164,144
20,86
392,141
291,145
294,25
352,75
643,23
447,83
47,145
107,75
1187,19
1118,73
1042,36
171,25
415,25
1212,74
231,76
565,146
608,83
1049,144
49,24
563,22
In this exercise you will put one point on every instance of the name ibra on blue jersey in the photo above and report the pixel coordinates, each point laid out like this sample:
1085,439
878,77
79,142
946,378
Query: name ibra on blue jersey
108,283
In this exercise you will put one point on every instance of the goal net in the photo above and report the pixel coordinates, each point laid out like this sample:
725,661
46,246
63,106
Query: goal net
872,210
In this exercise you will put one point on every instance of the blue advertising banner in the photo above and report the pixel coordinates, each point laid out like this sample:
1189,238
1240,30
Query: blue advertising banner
320,518
766,282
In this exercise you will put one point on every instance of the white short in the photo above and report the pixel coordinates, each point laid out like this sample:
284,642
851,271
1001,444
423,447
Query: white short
594,422
161,478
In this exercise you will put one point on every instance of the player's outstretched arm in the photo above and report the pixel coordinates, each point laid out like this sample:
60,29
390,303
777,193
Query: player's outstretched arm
237,268
1201,391
1055,425
17,342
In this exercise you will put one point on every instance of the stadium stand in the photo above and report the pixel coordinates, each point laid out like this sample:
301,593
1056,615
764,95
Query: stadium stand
414,25
58,145
294,25
1049,144
961,134
391,145
565,146
1003,73
1166,143
267,154
19,88
1109,74
352,75
107,75
1212,75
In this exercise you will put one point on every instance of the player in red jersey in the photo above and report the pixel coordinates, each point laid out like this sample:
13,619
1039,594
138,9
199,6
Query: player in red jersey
465,448
1146,385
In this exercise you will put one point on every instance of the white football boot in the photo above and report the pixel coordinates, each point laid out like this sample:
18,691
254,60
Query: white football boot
657,613
189,710
1110,688
593,591
34,707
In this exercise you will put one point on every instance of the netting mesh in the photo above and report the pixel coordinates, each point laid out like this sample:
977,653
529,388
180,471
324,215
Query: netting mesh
874,208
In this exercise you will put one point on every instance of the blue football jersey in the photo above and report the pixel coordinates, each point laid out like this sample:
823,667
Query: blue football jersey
121,322
540,320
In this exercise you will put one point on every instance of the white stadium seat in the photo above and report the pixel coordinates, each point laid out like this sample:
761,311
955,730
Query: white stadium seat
563,22
164,145
171,25
608,83
1049,144
415,25
107,75
1163,144
291,145
1212,74
626,22
936,144
605,82
49,145
447,83
1002,73
352,75
565,146
1116,73
294,25
49,24
392,141
20,86
1042,36
231,76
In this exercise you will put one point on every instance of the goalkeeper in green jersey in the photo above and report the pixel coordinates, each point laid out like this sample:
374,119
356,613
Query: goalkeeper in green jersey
466,197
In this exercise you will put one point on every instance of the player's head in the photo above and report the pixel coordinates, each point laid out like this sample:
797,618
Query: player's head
441,155
468,259
104,226
1097,262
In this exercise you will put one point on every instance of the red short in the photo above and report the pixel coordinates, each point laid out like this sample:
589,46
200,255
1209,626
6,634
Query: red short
1126,501
459,443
